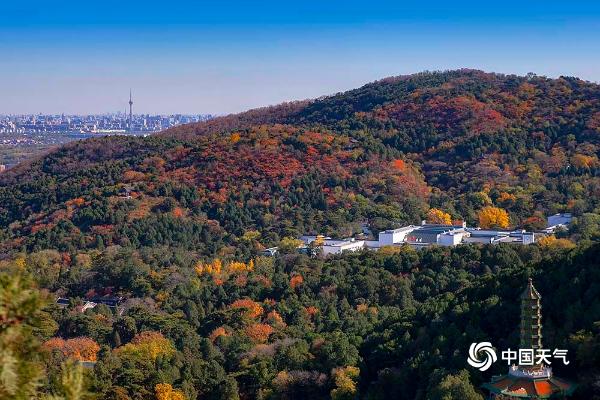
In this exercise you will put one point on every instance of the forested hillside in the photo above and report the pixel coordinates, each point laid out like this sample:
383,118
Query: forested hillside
382,154
174,224
530,143
373,325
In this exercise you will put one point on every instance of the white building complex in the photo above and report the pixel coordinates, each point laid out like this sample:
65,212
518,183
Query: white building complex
424,235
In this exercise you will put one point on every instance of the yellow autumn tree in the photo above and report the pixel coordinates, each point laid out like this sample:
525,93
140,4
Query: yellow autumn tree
345,383
216,268
235,137
493,217
584,161
148,344
213,268
20,263
319,240
237,266
250,236
553,243
165,391
436,216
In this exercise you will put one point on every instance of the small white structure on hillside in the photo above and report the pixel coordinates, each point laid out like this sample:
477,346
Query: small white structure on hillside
270,252
560,219
395,236
556,221
490,236
452,238
340,246
528,237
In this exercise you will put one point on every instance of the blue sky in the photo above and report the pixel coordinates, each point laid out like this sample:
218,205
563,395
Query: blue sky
221,57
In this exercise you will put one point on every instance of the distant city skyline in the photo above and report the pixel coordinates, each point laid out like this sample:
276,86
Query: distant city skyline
98,123
206,57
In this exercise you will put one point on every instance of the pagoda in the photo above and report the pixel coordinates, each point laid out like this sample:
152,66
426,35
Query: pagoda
529,381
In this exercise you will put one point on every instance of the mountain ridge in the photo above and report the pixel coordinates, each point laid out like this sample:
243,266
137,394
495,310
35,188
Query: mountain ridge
384,153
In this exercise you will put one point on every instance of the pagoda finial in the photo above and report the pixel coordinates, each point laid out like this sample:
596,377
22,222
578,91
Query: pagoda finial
530,292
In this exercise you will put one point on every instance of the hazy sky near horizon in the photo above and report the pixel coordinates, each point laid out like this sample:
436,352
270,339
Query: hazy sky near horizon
228,56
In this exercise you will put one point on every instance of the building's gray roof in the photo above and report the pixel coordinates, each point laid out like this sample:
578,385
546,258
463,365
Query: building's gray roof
403,229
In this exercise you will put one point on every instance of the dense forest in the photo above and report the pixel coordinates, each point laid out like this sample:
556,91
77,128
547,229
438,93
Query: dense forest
173,226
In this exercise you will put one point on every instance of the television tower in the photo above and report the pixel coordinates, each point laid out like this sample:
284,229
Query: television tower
130,112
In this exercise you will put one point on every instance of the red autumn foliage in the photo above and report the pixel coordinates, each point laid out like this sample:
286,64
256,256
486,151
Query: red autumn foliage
311,310
399,164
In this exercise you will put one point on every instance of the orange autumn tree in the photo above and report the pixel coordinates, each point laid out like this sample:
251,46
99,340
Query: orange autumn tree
584,161
178,212
80,349
311,310
296,281
275,319
217,333
399,164
253,309
235,137
493,217
165,391
259,333
436,216
506,197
